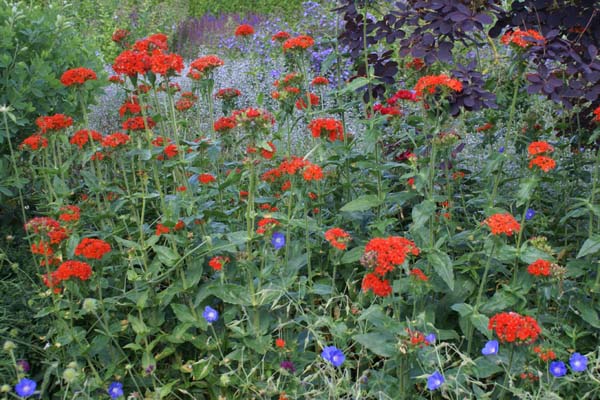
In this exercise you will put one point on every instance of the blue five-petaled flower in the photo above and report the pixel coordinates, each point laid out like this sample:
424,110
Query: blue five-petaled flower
333,355
530,213
435,380
115,390
431,338
25,387
578,362
490,348
558,368
210,314
278,240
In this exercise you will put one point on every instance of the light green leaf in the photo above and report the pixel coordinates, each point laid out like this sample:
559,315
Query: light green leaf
362,203
442,265
380,343
590,246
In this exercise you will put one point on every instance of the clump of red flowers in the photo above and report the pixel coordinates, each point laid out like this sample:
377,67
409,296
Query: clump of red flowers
540,268
48,228
511,327
418,274
320,81
314,101
217,263
244,30
206,64
77,76
92,248
380,287
69,213
544,163
338,238
429,84
539,151
34,142
544,354
280,36
224,124
161,229
266,225
53,122
138,123
205,179
502,224
536,148
228,94
596,112
115,140
82,137
119,35
298,43
327,127
521,38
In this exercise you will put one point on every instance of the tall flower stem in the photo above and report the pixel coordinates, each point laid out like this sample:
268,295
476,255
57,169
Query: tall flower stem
5,110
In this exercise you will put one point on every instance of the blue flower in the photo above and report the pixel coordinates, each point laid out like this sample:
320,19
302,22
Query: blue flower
115,390
210,314
435,380
529,214
558,368
333,355
25,387
490,348
278,240
431,338
578,362
501,149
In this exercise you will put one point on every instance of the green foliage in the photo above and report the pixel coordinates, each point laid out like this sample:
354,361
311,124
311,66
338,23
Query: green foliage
216,7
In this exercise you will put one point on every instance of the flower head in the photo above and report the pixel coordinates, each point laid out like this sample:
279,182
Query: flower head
511,327
429,84
557,368
77,76
540,268
380,287
92,248
435,380
115,390
530,213
210,314
502,224
278,240
333,355
288,366
490,348
430,338
244,30
578,362
25,387
298,43
544,163
217,262
338,238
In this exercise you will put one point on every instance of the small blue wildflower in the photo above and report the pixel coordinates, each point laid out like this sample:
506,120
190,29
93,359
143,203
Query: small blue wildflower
490,348
210,314
115,390
435,380
333,355
501,149
529,214
25,387
578,362
431,338
558,368
278,240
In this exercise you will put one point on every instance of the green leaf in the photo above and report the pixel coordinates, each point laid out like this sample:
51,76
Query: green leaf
184,314
381,343
463,309
166,255
526,189
442,265
590,246
353,255
138,325
480,322
588,313
421,213
355,84
362,203
485,367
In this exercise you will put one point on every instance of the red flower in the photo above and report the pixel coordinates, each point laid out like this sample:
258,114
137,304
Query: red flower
544,354
536,148
138,123
152,42
430,83
597,114
160,229
80,138
42,248
184,104
92,248
302,42
244,30
390,252
205,179
131,63
179,225
502,224
332,128
119,35
314,101
253,118
130,106
540,268
116,79
542,162
514,328
224,124
312,172
115,140
34,142
485,127
77,76
70,214
402,94
266,225
69,269
418,274
379,287
217,262
165,64
521,38
320,80
338,238
280,36
228,94
416,63
53,122
279,342
268,154
171,150
47,226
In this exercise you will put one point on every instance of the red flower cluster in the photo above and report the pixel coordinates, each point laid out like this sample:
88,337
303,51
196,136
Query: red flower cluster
416,63
34,142
165,63
514,328
131,63
77,76
119,35
329,127
291,166
521,38
70,213
536,148
389,111
485,127
205,179
312,172
320,80
417,338
92,248
540,268
280,36
171,150
266,225
116,139
338,238
597,114
541,160
544,354
137,123
380,287
81,137
314,101
217,262
184,103
69,269
228,94
418,274
156,41
253,118
206,64
402,94
131,106
300,43
53,122
160,229
502,224
430,83
224,124
544,163
244,30
47,228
